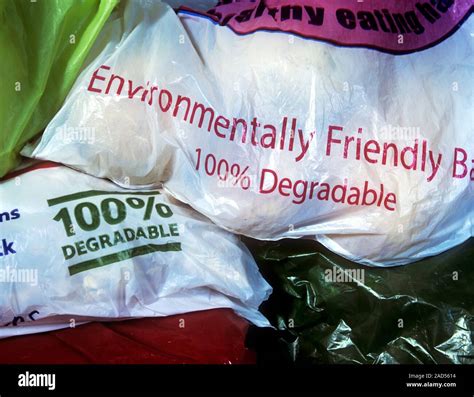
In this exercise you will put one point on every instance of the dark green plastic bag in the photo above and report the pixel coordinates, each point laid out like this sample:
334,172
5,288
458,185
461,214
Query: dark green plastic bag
43,44
418,313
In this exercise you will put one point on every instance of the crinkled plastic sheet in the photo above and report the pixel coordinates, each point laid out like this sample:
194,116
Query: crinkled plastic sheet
421,313
42,47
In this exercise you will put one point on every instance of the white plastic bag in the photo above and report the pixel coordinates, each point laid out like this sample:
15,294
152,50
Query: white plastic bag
75,248
275,135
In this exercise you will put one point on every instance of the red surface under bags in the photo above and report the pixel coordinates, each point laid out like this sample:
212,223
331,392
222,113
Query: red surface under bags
212,336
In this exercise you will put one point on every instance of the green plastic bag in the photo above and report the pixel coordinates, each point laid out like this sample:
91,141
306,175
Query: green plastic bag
43,44
328,311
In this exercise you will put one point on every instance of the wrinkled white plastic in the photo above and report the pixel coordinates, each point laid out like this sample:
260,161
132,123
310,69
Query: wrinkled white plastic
38,293
270,75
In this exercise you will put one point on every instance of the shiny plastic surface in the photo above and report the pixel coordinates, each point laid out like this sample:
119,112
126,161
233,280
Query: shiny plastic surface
43,45
272,135
75,248
419,313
